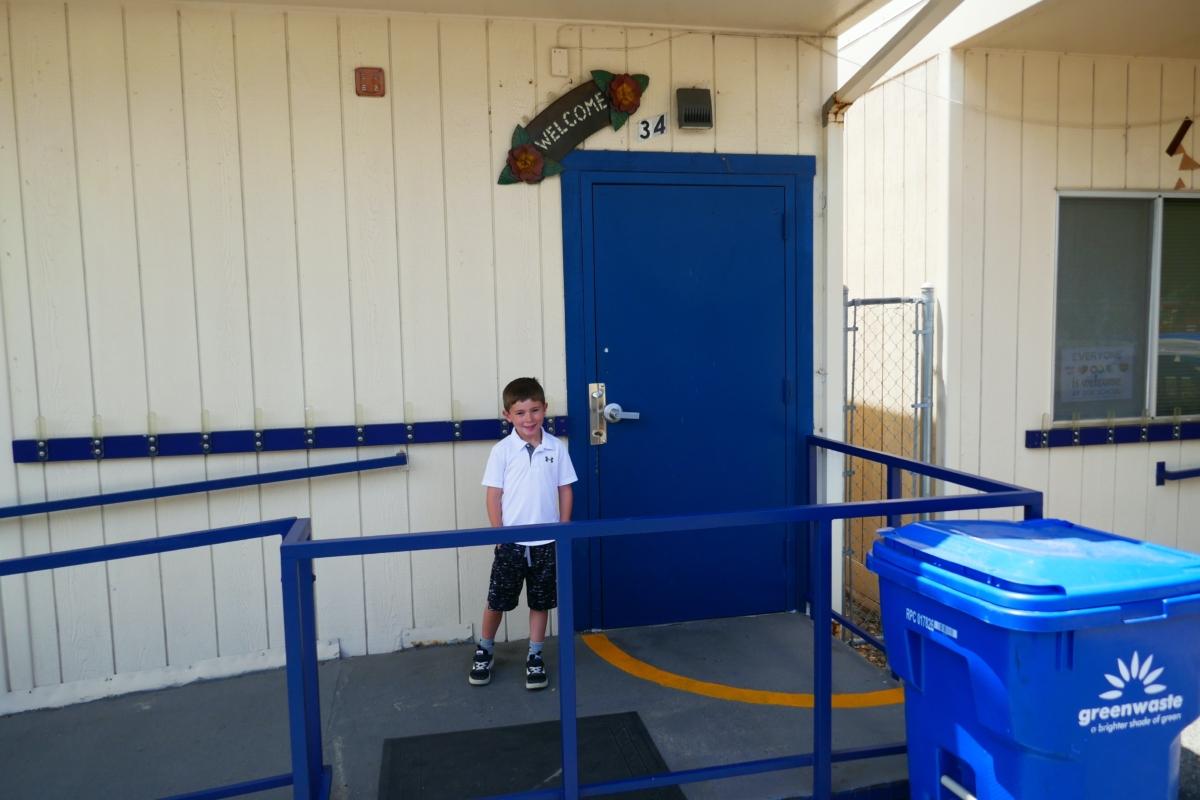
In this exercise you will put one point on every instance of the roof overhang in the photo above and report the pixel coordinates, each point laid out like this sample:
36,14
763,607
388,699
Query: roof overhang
824,17
1150,28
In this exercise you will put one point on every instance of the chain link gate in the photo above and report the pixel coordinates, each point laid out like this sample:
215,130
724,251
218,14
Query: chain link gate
889,407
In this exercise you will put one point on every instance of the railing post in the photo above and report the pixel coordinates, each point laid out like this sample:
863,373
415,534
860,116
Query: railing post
1034,510
304,707
810,528
894,490
927,321
822,780
566,668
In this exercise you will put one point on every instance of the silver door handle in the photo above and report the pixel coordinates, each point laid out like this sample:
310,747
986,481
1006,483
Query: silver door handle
614,413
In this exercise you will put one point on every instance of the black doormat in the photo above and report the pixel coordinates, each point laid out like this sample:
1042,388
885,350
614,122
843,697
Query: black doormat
519,758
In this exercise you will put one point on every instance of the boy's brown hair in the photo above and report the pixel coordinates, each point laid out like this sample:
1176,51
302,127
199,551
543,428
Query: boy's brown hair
523,389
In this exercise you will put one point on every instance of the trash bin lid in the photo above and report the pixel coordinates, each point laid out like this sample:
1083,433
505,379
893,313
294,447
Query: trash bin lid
1039,565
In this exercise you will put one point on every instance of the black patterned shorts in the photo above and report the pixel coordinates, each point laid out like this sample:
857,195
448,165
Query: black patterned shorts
516,563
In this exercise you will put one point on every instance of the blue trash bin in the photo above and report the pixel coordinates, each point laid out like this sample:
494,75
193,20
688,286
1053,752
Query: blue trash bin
1040,659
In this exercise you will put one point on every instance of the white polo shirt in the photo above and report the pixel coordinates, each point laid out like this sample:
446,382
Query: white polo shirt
529,482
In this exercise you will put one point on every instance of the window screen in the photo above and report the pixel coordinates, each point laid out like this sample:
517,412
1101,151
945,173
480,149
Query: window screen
1102,307
1179,310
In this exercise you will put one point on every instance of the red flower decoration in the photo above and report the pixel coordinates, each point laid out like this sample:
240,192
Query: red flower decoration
526,163
625,93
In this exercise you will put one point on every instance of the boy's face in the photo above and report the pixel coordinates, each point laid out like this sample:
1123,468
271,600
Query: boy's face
526,417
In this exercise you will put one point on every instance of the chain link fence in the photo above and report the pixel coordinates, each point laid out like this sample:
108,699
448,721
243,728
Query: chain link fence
888,404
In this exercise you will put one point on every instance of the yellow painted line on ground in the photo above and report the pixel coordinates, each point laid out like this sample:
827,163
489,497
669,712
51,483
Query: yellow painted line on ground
602,646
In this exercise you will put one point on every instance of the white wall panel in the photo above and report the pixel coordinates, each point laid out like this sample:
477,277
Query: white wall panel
968,306
327,335
271,277
375,314
20,596
1031,124
475,378
916,181
1032,384
1001,269
777,86
222,315
202,223
424,308
109,237
156,115
47,147
734,68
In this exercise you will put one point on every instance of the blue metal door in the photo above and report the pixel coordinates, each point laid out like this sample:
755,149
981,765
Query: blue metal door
692,304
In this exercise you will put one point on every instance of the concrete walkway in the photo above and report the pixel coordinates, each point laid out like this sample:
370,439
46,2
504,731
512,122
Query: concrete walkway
218,732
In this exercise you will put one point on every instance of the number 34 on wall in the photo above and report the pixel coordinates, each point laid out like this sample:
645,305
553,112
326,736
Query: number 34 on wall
649,128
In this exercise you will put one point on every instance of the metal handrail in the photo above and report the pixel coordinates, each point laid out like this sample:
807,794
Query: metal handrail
288,527
1162,474
194,487
298,552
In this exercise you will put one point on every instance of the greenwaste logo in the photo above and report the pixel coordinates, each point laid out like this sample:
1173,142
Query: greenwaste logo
1136,672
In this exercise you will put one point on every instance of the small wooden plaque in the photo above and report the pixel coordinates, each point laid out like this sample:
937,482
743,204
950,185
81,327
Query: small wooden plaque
368,81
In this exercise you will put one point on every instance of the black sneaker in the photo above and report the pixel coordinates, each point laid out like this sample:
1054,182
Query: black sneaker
481,668
535,672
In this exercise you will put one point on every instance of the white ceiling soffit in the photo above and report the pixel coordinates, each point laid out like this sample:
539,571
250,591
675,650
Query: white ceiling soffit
1156,28
785,16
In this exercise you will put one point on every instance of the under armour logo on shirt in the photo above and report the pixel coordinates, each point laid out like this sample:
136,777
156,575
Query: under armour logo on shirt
549,459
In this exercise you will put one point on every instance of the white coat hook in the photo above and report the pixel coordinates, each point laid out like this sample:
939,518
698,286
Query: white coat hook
308,417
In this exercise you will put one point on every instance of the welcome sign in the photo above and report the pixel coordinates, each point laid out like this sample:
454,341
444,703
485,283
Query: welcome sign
539,147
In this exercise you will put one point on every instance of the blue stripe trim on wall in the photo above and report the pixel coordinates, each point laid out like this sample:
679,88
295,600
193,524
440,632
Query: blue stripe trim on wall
1116,434
269,440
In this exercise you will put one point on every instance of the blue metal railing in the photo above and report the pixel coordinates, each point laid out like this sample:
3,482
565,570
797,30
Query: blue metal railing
194,487
298,552
288,527
184,541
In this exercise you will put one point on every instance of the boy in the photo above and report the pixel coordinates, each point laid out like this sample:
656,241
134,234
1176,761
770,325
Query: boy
528,479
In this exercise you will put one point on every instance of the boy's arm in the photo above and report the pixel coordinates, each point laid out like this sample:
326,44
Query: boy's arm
566,499
493,506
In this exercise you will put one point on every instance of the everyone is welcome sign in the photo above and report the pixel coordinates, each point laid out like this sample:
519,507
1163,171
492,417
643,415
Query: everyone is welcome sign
539,147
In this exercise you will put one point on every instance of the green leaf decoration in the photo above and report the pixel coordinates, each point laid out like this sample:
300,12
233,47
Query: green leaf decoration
506,177
520,136
550,167
602,79
642,81
617,118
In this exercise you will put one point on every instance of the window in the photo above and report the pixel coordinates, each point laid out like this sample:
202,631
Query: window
1127,323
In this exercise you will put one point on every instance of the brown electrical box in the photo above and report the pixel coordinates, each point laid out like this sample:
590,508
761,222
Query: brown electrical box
368,81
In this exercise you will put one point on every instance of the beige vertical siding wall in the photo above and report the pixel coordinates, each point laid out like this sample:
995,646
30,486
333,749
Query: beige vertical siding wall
198,217
952,176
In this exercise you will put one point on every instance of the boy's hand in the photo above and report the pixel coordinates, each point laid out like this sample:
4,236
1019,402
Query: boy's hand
495,516
566,499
